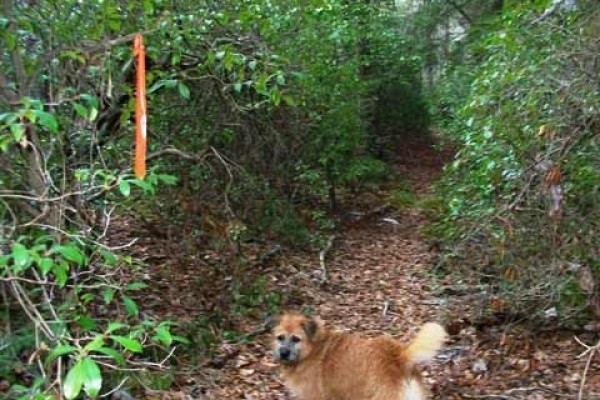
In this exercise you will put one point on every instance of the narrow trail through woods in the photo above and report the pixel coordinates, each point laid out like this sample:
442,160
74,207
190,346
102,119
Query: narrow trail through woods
378,281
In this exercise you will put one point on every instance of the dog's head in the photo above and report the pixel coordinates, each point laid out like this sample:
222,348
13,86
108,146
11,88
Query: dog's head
295,336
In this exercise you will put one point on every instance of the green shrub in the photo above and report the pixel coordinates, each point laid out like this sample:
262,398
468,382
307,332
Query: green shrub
527,119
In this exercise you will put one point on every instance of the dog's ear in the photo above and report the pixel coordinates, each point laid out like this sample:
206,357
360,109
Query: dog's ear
310,326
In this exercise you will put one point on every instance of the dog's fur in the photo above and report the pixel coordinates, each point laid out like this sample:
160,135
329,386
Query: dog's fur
322,364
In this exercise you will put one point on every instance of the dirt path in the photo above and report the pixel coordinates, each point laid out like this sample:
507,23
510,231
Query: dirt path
380,282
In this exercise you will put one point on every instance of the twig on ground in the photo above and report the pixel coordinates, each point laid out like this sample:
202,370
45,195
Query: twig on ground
590,351
6,230
386,307
229,183
322,256
116,389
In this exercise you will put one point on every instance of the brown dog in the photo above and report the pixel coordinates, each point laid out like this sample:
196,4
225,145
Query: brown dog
321,364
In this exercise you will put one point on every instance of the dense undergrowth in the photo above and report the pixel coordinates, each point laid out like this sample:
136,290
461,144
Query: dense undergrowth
260,113
520,212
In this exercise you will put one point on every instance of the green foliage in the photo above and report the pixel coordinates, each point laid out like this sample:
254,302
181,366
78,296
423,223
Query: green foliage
255,108
522,192
74,329
298,116
12,345
402,198
255,296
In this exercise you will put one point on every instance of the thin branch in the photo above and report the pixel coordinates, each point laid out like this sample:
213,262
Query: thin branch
93,191
229,184
172,151
590,351
13,227
116,388
107,217
322,256
42,283
31,311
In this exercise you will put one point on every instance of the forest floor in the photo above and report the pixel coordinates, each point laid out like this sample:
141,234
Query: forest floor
380,281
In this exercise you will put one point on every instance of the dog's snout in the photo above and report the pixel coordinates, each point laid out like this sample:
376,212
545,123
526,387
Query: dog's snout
284,353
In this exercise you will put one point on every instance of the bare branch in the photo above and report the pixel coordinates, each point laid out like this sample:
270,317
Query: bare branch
172,151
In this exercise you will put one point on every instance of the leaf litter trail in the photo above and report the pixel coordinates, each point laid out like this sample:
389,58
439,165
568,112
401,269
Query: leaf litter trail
379,283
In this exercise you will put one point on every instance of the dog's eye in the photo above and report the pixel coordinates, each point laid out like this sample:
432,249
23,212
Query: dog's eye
281,338
295,339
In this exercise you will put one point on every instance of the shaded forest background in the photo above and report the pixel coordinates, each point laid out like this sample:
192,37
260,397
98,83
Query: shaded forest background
266,118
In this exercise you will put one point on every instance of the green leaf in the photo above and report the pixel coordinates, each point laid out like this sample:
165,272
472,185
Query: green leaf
21,257
108,295
86,322
87,298
71,253
92,377
73,55
168,83
132,345
45,265
95,344
184,91
228,61
163,335
260,84
74,381
10,40
145,186
91,100
136,286
93,114
115,326
237,87
180,339
130,305
288,100
60,271
276,96
148,6
252,65
280,80
114,25
167,179
125,188
112,353
47,120
109,257
17,131
59,350
80,110
4,260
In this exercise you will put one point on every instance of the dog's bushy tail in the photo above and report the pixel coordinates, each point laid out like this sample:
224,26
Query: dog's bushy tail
426,344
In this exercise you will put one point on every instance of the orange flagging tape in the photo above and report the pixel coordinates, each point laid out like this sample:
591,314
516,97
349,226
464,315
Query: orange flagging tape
140,107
